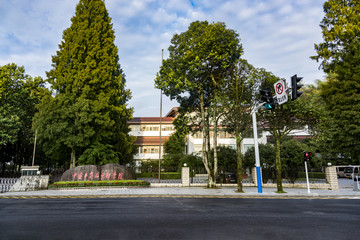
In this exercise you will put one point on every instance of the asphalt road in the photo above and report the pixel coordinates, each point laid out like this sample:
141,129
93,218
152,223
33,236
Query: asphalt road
179,218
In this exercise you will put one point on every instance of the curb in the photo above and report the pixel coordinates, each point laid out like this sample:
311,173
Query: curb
179,196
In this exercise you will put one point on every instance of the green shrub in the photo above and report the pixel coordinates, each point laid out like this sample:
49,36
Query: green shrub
119,183
164,175
313,175
145,175
170,175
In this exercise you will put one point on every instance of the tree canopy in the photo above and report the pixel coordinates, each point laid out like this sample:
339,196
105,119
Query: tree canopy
340,55
200,60
19,94
88,115
340,28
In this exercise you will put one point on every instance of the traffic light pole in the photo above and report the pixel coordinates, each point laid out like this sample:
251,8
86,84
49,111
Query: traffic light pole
256,146
307,177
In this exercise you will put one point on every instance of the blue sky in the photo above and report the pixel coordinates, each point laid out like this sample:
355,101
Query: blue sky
277,35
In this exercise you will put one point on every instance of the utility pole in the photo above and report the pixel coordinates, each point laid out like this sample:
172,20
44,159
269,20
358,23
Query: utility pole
162,59
33,160
256,146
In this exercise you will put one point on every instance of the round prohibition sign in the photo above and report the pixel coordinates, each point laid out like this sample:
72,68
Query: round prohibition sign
279,88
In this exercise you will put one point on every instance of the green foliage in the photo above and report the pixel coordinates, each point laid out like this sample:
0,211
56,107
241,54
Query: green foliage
149,166
19,94
204,50
200,60
87,117
280,122
341,93
339,130
237,101
87,184
340,28
227,159
314,175
292,153
267,156
193,161
13,94
292,159
163,175
174,147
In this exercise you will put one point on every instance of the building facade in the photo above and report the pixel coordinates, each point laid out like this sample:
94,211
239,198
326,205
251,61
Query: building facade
147,131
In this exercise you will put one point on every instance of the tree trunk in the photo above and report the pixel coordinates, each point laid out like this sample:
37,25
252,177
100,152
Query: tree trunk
278,165
239,165
3,162
73,159
205,136
215,144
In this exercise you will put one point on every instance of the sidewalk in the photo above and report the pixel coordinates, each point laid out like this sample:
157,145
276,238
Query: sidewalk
198,192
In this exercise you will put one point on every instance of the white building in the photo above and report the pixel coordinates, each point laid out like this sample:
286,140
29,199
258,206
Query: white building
147,131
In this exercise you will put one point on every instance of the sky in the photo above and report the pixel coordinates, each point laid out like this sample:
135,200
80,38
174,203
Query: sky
278,35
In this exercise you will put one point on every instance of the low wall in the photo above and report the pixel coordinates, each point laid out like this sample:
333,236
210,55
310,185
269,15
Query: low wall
330,172
30,183
331,181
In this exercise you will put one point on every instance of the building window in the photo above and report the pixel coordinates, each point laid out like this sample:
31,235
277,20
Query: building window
135,128
156,128
150,149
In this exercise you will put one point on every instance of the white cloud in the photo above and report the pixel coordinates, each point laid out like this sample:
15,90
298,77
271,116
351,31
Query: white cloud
162,17
278,35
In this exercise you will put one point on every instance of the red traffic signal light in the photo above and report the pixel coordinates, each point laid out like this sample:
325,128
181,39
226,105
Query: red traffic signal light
307,156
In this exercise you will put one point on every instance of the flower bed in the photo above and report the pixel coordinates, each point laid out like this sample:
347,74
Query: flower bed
87,184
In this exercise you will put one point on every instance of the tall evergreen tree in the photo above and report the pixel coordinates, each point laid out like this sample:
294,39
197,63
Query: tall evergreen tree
88,115
339,54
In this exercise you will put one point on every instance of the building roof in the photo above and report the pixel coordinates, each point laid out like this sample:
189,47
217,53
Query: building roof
173,112
150,141
138,120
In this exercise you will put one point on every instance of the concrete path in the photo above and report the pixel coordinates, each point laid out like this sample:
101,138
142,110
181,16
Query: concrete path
345,191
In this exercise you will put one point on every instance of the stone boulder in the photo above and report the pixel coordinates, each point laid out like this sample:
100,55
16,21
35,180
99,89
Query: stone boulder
113,171
96,173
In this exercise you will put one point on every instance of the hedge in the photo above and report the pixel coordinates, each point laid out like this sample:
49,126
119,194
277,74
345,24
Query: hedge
114,183
164,175
313,175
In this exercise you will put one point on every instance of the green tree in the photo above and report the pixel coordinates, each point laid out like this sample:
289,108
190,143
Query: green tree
88,115
200,59
227,158
11,87
292,157
193,161
340,59
280,122
319,121
237,101
267,155
341,93
340,28
19,93
174,147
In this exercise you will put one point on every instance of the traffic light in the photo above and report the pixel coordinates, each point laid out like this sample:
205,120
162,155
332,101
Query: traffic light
267,98
307,156
295,87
